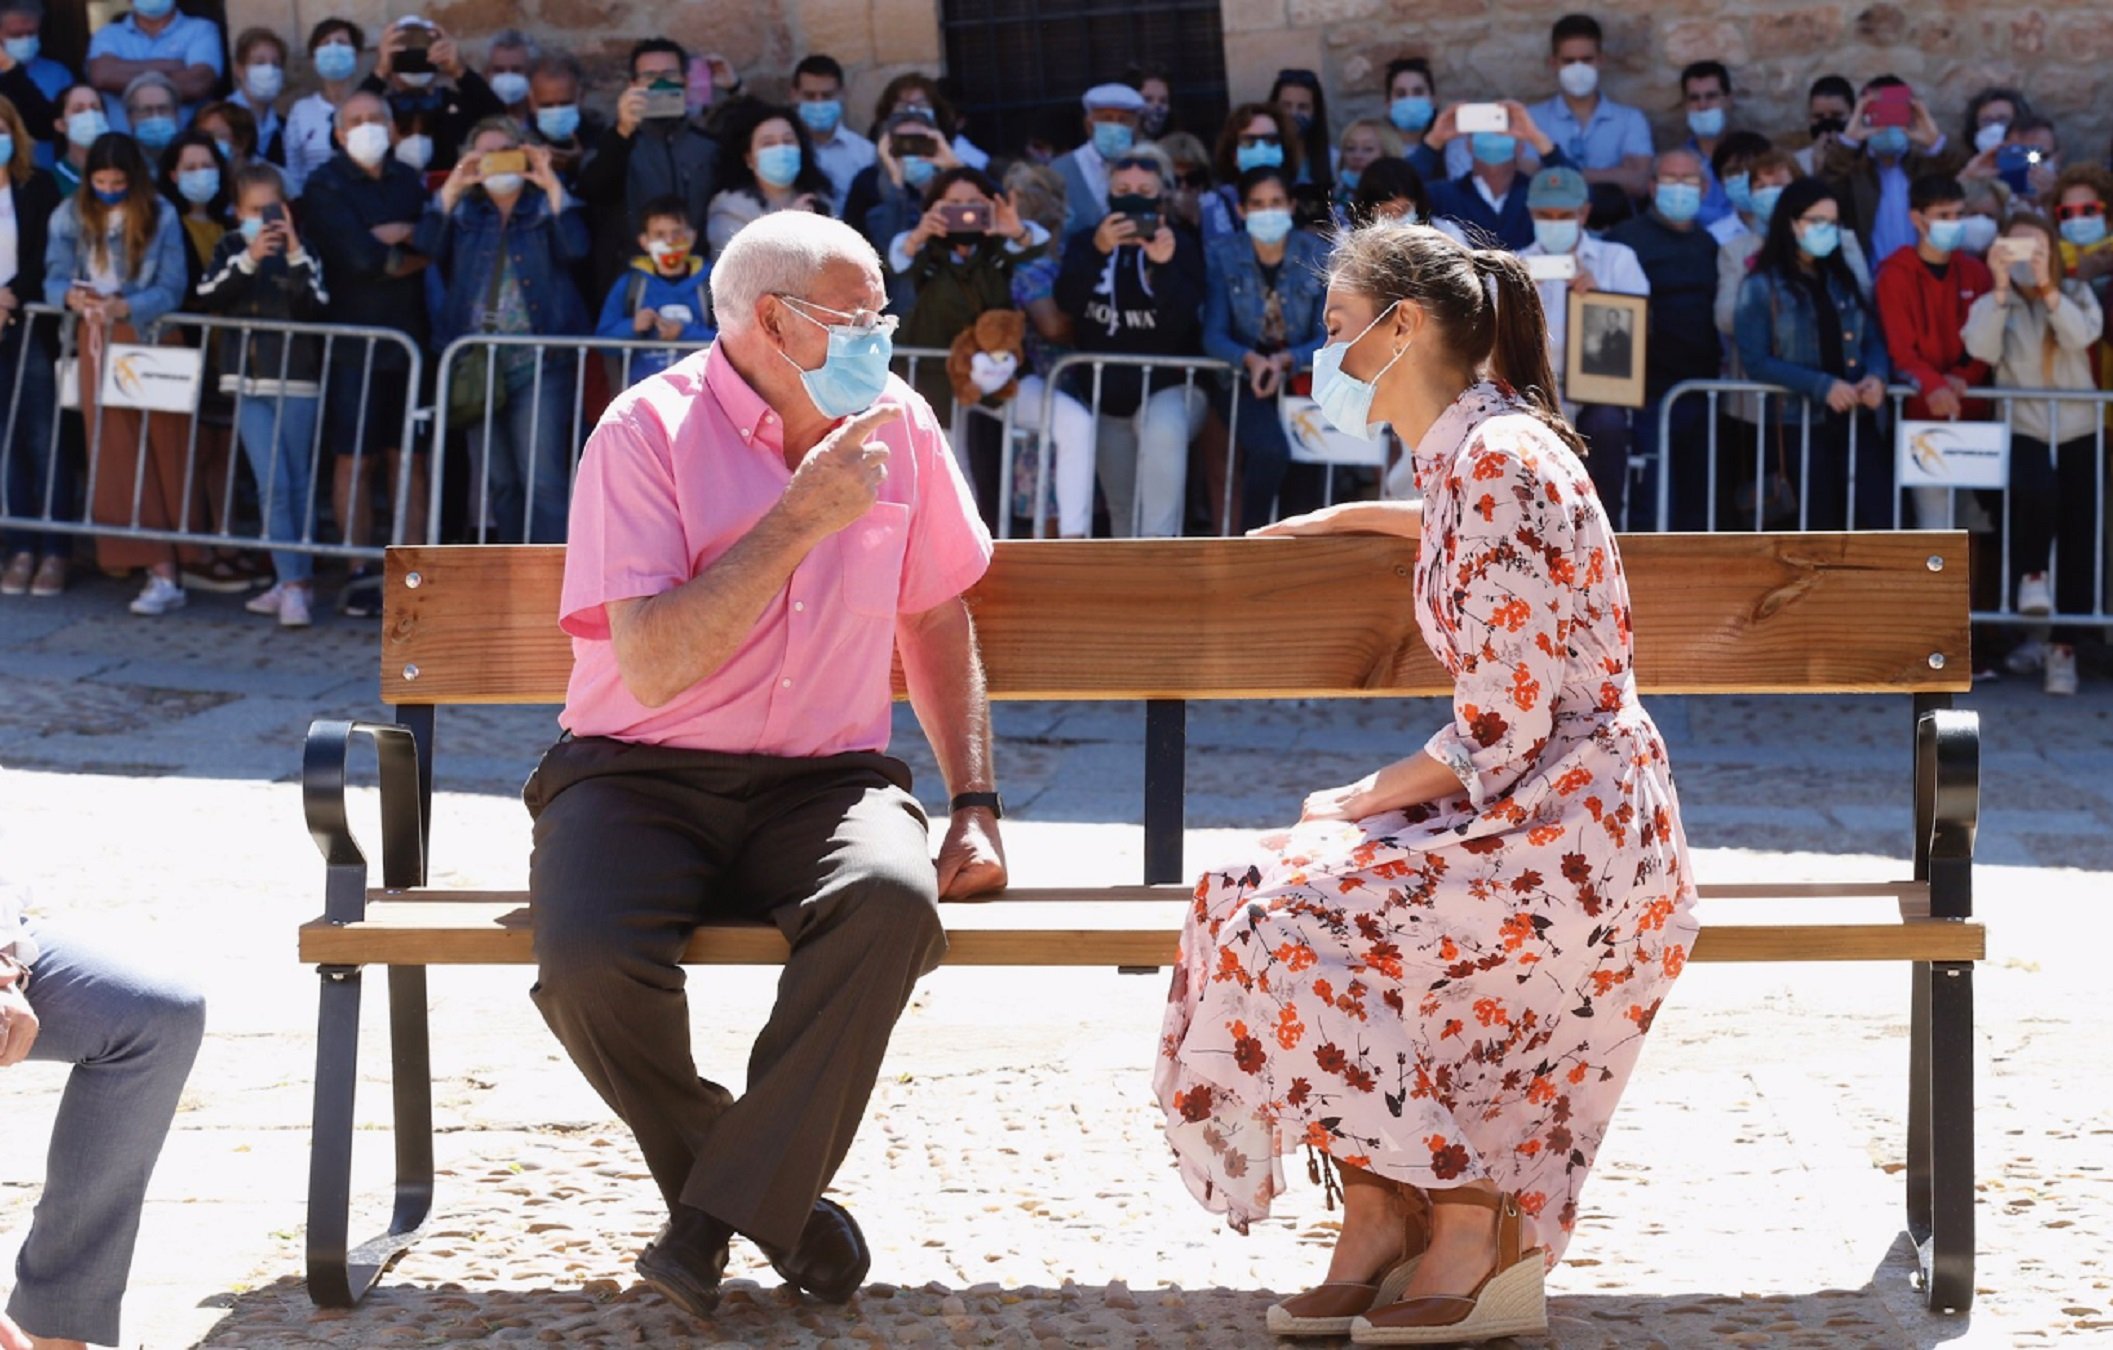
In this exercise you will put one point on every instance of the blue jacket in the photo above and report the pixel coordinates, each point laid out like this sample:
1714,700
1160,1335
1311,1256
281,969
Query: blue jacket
464,244
643,287
1460,200
1778,338
153,286
1232,306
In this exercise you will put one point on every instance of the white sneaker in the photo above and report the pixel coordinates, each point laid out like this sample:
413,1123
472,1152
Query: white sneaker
160,596
2027,658
2061,669
267,603
295,606
2034,595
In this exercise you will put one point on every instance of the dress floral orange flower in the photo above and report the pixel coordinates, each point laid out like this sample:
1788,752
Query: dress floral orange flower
1457,991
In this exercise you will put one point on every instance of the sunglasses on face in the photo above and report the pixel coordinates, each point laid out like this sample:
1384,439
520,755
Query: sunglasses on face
1195,182
2080,211
1270,139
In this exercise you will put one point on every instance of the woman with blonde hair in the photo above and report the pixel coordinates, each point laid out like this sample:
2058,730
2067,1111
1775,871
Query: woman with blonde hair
1363,141
116,259
39,478
1441,977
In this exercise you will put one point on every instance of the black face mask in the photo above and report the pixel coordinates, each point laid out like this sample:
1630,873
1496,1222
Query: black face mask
1822,126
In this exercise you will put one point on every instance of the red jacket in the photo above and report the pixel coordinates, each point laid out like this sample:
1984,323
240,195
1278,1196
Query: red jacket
1923,317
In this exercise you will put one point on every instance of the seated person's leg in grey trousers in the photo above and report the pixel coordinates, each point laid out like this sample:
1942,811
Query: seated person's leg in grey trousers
131,1036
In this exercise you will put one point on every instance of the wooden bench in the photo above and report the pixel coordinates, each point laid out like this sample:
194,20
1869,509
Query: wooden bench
1164,622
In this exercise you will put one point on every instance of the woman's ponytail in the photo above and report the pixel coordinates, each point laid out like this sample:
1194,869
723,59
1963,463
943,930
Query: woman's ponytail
1518,354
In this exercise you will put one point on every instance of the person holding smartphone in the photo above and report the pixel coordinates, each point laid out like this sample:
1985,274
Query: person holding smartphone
1891,140
434,96
654,149
1491,197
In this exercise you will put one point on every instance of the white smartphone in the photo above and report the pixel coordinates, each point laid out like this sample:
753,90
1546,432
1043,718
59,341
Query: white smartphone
1474,117
1551,266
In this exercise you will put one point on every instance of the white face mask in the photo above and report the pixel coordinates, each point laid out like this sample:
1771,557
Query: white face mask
367,143
1579,79
416,151
416,79
1990,136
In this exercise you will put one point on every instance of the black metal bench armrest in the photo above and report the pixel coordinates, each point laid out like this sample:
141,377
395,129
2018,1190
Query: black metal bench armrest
1947,807
324,760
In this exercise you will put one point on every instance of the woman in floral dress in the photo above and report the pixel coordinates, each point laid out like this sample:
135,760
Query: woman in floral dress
1441,977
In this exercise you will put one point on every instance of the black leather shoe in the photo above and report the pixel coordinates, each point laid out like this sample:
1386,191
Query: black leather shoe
831,1258
686,1262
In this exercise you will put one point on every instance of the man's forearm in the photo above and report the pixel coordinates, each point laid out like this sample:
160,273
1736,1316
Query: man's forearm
668,642
192,82
944,672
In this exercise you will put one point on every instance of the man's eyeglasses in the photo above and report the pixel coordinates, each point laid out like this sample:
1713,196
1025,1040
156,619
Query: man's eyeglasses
2080,211
863,322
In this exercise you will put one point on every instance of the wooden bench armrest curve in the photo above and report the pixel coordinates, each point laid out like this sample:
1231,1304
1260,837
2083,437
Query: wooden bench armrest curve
1948,806
324,759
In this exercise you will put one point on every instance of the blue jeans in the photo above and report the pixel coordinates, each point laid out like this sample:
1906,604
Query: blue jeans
130,1036
278,436
528,453
38,468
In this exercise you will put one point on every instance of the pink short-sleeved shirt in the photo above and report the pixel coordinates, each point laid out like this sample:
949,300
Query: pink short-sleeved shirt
679,469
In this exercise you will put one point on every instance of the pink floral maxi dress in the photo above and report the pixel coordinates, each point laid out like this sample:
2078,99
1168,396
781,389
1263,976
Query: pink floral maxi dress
1460,990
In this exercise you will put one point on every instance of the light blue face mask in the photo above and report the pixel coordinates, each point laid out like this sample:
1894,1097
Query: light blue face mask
855,373
1820,239
917,170
2082,231
1947,235
154,133
1555,236
1348,179
25,49
559,121
510,86
336,61
1269,226
153,9
822,117
251,228
1111,139
778,165
1764,202
1493,147
1260,155
1345,400
1678,202
86,127
198,186
1411,114
1706,122
1888,142
7,147
1738,188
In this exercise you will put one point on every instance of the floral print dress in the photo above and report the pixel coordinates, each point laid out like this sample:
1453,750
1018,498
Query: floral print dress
1457,991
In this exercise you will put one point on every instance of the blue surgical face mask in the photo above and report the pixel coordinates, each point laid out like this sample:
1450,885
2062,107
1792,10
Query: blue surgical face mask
1764,202
504,184
86,127
226,149
559,121
25,49
1706,122
854,374
1888,142
1738,188
1345,400
153,9
336,61
1555,236
822,117
1678,202
778,165
251,228
511,86
109,198
1259,156
1493,147
1347,179
267,79
2084,231
7,147
1111,139
1411,114
1947,235
154,133
1268,227
198,186
917,170
1820,239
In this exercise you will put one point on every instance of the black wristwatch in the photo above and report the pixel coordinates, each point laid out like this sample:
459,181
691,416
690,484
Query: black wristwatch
969,801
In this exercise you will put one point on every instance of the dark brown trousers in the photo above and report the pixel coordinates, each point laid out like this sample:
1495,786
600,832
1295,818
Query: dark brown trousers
635,846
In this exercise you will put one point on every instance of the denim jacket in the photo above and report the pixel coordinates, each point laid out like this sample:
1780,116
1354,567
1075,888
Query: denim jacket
153,286
464,244
1232,308
1778,340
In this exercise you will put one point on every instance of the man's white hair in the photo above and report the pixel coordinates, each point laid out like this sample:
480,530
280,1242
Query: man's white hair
780,254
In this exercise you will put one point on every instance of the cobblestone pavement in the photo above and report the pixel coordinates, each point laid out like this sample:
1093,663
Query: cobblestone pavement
1010,1174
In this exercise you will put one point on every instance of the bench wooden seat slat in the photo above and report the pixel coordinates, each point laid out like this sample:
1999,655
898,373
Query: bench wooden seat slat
1226,618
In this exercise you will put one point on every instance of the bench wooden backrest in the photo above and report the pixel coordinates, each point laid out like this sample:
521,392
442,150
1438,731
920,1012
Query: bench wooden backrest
1303,618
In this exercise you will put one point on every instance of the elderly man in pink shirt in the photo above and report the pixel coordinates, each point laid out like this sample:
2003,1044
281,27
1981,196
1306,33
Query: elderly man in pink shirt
755,533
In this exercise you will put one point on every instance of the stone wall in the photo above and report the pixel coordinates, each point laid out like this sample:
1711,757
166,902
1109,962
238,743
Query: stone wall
2057,52
875,39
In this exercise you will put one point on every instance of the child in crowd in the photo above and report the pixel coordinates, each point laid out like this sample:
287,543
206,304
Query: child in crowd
664,293
262,270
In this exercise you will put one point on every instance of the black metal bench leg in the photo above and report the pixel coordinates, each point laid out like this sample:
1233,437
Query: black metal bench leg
340,1276
1941,1134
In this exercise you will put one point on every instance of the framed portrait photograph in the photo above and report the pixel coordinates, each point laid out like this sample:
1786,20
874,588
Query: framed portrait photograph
1605,358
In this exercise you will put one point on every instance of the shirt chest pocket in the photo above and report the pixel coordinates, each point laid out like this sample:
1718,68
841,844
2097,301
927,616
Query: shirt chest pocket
870,550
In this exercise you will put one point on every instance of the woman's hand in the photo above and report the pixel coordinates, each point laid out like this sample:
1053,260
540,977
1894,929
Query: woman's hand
1115,231
1160,250
1403,520
467,173
931,225
1258,372
1353,801
1871,391
543,173
1444,129
1005,220
1980,168
2042,272
1404,783
1841,396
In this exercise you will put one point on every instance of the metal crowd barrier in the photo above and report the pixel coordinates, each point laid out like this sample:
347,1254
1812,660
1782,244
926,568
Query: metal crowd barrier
54,336
1897,396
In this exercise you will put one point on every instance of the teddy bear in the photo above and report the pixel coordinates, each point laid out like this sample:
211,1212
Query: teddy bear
985,360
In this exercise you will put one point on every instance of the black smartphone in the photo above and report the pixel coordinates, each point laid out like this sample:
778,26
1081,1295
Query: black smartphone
273,213
914,143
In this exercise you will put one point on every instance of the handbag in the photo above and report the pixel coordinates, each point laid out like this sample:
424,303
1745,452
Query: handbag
473,393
